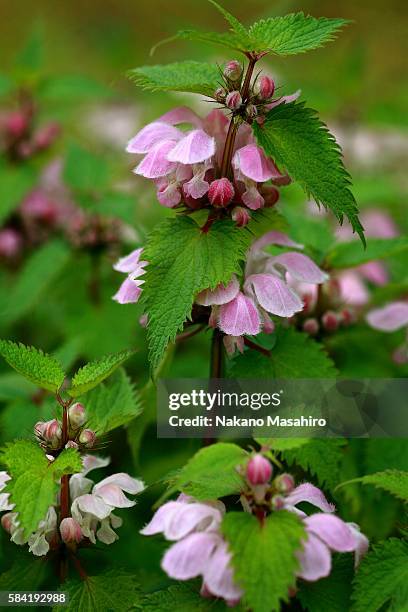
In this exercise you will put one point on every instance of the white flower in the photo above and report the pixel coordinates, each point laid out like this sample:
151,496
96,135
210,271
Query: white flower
38,542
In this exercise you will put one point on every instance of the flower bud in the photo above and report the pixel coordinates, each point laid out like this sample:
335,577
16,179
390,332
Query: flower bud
10,243
70,531
284,483
76,415
259,470
241,216
87,438
233,70
330,321
7,521
270,195
51,433
277,502
16,124
347,317
71,444
39,429
46,136
311,326
220,94
265,87
233,100
251,111
221,192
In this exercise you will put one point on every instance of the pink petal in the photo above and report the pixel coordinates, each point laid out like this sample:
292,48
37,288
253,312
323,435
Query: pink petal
239,317
161,518
252,162
129,263
219,295
252,198
315,559
379,224
113,495
218,575
169,195
151,135
129,292
283,100
93,504
196,187
390,318
124,481
301,267
277,238
375,272
216,123
182,114
307,492
194,148
353,290
92,462
192,517
361,543
156,163
189,557
334,532
273,294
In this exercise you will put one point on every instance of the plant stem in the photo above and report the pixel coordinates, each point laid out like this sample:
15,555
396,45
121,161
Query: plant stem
257,347
226,169
64,497
216,370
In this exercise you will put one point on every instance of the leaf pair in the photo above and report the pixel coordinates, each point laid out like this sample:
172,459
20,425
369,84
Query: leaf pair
46,372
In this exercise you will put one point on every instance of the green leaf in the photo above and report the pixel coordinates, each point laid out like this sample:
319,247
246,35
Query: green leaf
282,444
295,355
382,578
40,270
393,481
112,405
84,171
322,458
293,33
15,183
350,254
112,591
183,261
41,369
33,486
26,574
212,472
231,40
301,144
180,597
264,556
236,25
332,593
189,76
95,372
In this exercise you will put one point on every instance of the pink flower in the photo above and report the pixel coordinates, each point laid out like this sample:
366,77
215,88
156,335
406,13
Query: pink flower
129,291
259,470
389,318
265,87
221,192
200,549
183,164
70,531
325,532
239,312
10,243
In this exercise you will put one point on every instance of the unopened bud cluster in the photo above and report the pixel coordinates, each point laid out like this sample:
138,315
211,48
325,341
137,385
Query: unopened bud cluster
254,104
49,433
262,490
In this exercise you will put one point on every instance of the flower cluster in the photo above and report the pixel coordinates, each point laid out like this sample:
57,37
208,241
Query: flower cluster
192,168
200,549
89,515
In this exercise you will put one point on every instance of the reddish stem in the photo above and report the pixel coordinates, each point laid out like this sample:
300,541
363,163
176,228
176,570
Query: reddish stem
257,347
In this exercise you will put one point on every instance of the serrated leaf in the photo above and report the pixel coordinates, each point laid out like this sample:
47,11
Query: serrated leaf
183,261
264,556
295,355
235,24
350,254
112,591
392,481
40,368
95,372
293,33
181,598
26,574
34,480
112,405
332,593
40,270
212,472
382,578
189,76
321,457
282,444
302,145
